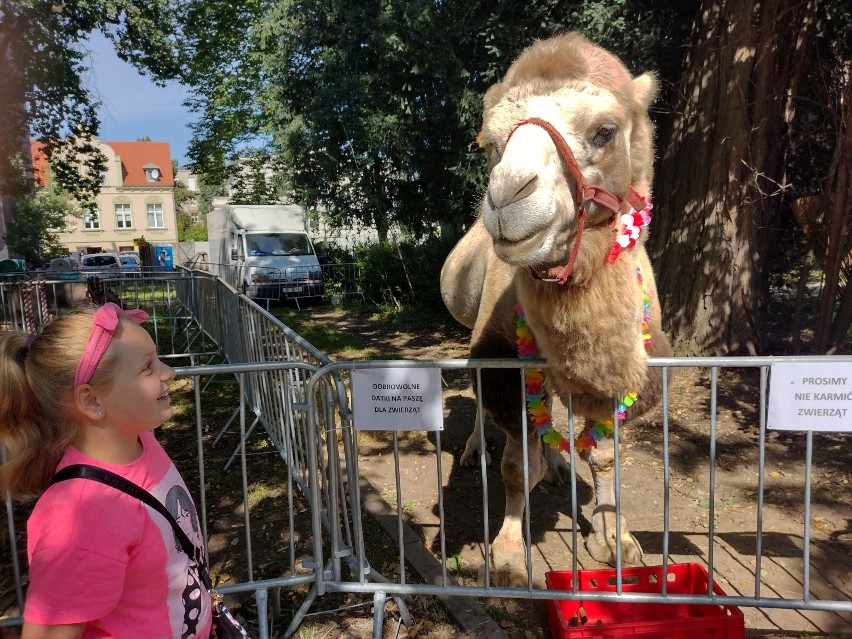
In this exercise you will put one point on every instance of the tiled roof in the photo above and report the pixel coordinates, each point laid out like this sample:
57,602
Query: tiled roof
41,169
135,155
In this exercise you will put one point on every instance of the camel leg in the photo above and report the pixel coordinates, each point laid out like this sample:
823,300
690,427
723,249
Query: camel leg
507,551
558,469
601,542
470,456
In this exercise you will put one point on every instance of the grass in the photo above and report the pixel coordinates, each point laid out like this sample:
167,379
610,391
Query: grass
407,507
329,332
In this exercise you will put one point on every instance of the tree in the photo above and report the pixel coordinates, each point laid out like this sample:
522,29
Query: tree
723,171
39,216
189,231
831,239
42,65
256,178
373,107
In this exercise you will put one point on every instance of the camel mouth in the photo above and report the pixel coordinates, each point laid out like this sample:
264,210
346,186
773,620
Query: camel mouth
528,252
540,249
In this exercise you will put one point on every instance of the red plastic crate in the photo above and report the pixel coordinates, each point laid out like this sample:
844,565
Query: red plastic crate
621,620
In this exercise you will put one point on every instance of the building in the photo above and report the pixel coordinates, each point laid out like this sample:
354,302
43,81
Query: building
191,183
136,200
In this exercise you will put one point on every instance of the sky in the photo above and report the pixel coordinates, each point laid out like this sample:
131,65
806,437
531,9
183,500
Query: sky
133,106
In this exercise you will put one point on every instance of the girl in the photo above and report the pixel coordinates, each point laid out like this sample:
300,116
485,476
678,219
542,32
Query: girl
90,389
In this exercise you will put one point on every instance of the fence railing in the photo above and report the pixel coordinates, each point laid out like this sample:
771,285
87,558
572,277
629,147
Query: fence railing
812,574
299,283
199,320
301,401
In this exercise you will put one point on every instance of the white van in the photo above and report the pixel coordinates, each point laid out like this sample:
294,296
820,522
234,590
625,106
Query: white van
264,251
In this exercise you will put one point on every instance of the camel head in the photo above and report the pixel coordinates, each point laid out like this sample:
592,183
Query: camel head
589,99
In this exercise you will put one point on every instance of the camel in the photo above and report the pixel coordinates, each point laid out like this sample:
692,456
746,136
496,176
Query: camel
560,237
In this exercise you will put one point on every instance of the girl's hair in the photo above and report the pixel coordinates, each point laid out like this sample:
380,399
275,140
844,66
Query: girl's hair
37,414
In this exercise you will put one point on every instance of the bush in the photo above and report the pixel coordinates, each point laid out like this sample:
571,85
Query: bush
405,274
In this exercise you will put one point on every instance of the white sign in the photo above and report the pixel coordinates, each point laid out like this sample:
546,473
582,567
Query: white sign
811,396
397,399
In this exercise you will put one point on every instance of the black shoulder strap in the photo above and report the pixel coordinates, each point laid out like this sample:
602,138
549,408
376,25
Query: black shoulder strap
95,473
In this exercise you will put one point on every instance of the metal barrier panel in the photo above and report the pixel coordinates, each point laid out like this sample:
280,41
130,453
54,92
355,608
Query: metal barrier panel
708,502
342,280
301,402
187,312
234,531
27,304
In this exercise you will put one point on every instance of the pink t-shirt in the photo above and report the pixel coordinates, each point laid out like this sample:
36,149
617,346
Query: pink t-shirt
100,556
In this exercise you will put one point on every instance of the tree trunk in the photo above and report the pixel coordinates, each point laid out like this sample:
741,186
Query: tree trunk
832,322
722,171
13,123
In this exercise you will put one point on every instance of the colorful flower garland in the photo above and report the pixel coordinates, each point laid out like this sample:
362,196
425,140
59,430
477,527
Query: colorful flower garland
534,380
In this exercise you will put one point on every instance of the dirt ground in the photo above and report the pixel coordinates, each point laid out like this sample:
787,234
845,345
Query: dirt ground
735,504
354,335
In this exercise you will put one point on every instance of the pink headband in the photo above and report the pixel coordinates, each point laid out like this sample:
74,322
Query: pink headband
103,328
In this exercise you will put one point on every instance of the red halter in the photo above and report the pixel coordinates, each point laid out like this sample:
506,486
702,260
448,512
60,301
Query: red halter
585,193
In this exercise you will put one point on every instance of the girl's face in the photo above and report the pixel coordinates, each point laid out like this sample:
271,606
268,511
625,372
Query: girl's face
136,399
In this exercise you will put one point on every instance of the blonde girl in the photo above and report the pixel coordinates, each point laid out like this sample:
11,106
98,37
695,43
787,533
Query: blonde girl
90,389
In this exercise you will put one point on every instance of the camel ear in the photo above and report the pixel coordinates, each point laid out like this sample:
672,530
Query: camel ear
645,88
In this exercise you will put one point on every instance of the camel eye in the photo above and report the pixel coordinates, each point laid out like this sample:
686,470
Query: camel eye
604,135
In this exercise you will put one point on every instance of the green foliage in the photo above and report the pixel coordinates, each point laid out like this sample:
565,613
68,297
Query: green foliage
373,108
189,231
38,215
218,56
181,194
44,94
331,253
256,179
404,274
207,191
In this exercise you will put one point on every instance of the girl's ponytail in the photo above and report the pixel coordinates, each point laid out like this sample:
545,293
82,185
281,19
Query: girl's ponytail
22,433
37,420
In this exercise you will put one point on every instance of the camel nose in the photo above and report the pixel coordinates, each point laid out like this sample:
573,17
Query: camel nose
505,189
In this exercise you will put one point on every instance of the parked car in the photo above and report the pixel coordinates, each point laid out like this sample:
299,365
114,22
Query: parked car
13,269
130,263
105,264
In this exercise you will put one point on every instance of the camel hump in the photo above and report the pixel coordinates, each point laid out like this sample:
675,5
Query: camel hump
463,274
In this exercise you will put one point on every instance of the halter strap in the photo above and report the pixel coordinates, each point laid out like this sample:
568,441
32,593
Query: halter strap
585,193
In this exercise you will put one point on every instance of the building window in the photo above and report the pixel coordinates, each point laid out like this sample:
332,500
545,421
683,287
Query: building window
122,216
104,177
190,183
155,216
91,219
152,172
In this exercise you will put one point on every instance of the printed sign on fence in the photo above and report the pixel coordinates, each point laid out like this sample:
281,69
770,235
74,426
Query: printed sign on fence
397,399
808,396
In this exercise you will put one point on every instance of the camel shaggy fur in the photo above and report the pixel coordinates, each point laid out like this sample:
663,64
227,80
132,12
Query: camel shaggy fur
588,328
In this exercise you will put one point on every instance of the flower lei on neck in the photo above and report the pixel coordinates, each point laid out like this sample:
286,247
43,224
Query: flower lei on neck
534,379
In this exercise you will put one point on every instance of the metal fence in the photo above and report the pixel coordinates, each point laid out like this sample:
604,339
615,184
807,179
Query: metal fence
299,284
197,323
300,401
811,582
